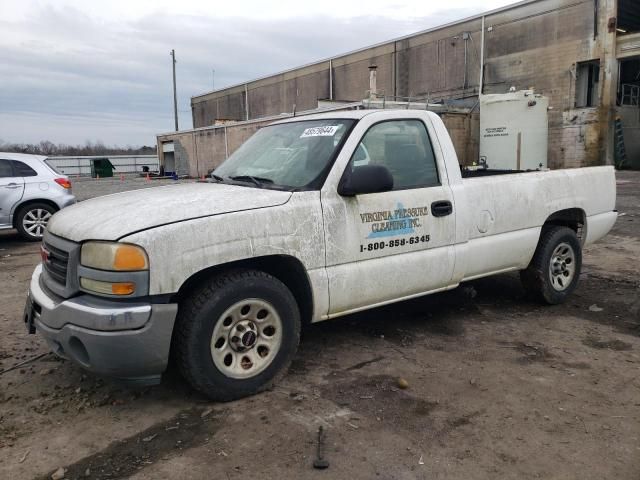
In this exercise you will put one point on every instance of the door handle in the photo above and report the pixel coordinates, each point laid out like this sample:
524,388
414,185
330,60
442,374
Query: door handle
441,208
12,185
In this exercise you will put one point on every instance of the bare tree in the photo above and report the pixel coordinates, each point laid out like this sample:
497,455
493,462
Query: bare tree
45,147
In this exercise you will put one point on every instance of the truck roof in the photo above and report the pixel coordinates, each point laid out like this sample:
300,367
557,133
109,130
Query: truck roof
354,114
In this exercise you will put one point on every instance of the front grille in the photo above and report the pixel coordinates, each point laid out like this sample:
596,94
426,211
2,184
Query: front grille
57,263
60,267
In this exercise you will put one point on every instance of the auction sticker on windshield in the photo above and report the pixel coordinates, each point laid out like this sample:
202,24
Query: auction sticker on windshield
327,131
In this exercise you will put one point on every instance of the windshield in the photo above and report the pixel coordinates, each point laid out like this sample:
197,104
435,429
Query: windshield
290,155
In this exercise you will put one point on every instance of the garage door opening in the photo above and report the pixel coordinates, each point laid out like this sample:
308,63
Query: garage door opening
168,166
628,114
629,83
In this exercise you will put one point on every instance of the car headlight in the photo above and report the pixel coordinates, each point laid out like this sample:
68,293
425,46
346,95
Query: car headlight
113,269
117,257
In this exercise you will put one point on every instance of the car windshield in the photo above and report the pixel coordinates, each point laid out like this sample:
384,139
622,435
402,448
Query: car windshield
290,155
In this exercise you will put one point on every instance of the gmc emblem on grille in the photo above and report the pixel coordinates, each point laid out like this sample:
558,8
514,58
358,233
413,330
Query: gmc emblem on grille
45,255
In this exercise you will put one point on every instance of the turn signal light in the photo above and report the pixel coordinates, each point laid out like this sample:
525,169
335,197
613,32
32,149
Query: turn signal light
63,182
124,288
129,257
108,288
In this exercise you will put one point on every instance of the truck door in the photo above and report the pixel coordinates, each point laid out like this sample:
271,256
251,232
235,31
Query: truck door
11,190
395,244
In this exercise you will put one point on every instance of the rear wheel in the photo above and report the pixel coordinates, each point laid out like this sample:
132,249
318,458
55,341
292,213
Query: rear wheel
237,335
32,219
554,270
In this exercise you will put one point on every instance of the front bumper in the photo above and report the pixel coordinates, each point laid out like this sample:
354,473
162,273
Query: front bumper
127,341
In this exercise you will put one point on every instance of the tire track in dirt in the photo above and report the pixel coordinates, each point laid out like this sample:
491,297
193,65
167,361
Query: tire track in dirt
121,459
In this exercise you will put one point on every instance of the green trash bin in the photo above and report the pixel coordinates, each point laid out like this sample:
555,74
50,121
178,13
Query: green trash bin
101,167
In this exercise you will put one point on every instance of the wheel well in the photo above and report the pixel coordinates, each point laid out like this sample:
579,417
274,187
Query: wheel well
289,270
30,202
574,218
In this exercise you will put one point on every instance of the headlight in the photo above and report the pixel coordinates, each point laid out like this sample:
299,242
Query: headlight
113,269
118,257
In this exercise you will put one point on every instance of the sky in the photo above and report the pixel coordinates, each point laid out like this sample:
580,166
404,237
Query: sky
73,71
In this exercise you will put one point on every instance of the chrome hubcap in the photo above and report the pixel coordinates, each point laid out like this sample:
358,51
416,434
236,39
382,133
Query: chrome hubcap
246,338
562,267
35,221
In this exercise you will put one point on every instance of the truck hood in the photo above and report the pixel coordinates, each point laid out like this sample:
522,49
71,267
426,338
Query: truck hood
112,217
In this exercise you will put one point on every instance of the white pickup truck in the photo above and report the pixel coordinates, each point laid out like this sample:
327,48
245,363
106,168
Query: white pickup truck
312,218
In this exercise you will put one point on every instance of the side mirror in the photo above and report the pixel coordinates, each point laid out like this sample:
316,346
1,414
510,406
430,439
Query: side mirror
366,179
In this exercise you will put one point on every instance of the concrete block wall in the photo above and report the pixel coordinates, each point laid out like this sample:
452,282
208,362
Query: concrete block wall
184,154
465,133
210,151
202,150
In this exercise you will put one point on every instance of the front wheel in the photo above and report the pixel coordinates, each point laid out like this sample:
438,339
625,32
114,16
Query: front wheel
554,270
237,335
31,220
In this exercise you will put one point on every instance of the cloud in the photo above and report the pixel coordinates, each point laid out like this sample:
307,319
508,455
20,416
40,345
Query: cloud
69,77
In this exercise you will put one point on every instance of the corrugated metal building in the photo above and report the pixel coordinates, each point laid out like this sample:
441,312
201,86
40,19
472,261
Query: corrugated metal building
584,55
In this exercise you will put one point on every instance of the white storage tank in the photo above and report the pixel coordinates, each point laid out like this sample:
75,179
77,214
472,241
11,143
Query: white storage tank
514,130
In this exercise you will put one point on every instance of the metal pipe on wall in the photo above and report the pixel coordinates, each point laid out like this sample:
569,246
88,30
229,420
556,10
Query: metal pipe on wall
330,79
246,101
226,144
195,151
481,83
466,41
394,77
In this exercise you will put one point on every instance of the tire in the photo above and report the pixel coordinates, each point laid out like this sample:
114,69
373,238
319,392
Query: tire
247,316
554,270
31,220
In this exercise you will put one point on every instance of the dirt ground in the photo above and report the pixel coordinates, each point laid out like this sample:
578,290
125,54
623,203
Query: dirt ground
498,387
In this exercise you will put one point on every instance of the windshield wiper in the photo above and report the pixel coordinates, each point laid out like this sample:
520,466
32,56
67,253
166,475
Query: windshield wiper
217,177
258,181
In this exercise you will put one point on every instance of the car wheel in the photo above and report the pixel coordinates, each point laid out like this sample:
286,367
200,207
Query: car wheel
236,335
554,270
32,219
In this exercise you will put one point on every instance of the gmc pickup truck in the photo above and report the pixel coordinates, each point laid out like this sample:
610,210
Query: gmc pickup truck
312,218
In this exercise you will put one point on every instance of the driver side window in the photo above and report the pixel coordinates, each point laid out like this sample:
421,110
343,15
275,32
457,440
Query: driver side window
404,148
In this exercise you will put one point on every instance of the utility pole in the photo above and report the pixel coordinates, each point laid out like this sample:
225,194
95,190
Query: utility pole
213,79
175,96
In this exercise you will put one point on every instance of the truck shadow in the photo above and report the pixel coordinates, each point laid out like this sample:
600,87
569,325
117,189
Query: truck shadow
441,314
440,319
